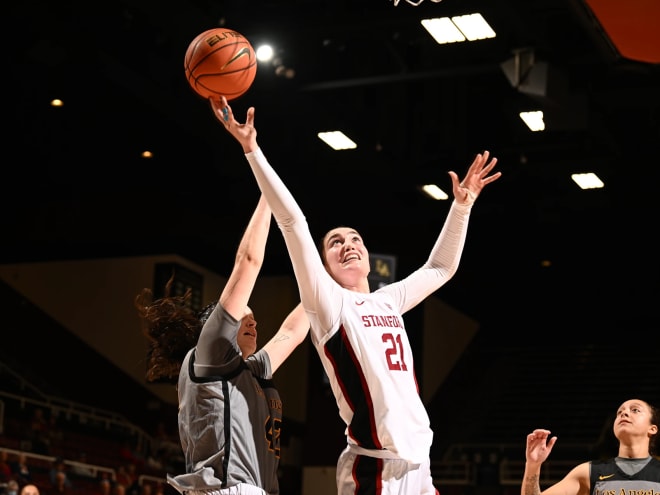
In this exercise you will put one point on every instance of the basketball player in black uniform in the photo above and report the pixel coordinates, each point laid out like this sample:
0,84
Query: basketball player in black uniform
635,470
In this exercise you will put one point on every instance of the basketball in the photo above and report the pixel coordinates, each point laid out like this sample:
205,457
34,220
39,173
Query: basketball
220,62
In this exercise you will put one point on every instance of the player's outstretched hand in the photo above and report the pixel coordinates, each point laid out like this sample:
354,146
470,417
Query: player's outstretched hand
245,134
467,190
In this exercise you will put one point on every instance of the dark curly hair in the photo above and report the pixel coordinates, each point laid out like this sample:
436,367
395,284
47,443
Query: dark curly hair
171,327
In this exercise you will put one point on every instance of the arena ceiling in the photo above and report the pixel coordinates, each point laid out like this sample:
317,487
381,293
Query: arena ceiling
540,252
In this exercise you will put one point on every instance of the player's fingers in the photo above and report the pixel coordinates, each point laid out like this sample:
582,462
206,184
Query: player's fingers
249,120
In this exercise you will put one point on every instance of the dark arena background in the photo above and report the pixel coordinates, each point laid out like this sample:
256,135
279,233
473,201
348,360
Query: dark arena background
551,320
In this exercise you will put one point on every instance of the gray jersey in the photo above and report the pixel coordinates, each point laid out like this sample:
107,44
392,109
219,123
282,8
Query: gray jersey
230,413
621,476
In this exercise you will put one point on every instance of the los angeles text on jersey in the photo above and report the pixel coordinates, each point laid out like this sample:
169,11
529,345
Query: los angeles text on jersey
623,491
391,321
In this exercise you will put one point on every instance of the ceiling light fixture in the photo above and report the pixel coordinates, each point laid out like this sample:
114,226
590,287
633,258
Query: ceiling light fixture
588,181
337,140
471,27
534,120
435,192
443,30
474,27
265,53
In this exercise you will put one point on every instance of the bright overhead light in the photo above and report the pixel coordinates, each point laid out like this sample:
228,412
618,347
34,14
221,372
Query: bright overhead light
474,27
435,192
443,30
534,120
337,140
588,181
459,28
265,53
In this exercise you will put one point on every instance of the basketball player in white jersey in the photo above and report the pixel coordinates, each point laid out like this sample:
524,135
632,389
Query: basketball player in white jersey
230,412
360,335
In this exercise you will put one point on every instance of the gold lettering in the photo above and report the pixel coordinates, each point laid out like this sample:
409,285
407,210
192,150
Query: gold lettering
382,268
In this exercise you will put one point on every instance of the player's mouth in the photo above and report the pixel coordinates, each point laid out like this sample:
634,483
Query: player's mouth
351,257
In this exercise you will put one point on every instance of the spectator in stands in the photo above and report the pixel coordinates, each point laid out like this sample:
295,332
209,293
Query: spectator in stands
5,467
58,472
164,449
39,433
105,486
11,488
29,489
21,469
127,476
130,454
81,468
61,485
633,470
121,476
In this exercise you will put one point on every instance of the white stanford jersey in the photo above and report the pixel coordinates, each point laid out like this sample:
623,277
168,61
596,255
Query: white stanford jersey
361,337
369,363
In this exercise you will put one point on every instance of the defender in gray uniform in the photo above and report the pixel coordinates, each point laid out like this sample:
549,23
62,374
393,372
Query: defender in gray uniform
230,413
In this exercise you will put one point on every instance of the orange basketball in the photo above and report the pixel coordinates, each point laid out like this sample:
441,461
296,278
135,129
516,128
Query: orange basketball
220,62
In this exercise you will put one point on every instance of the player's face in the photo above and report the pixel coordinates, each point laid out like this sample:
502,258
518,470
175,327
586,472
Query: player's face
247,334
346,256
633,419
